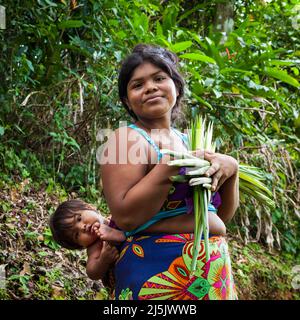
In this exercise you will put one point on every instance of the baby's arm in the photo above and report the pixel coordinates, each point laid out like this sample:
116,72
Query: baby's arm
101,255
185,224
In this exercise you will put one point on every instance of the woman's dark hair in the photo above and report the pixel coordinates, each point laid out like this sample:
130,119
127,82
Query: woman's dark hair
160,57
60,226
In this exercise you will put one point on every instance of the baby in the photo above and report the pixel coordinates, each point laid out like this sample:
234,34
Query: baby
77,225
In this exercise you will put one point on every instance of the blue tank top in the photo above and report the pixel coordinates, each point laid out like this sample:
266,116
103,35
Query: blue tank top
180,194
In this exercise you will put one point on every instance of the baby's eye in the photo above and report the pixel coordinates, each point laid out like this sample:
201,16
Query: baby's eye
78,218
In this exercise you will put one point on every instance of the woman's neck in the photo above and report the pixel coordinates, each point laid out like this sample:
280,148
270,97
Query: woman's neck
149,125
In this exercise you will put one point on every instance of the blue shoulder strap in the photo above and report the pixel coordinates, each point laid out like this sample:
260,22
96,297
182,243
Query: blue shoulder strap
146,136
183,136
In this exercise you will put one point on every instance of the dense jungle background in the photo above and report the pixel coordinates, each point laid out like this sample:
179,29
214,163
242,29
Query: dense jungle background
58,87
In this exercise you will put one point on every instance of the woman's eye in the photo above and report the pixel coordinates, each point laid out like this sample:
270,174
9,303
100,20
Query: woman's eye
136,85
160,78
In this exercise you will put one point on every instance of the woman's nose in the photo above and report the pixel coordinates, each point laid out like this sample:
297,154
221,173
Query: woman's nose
150,87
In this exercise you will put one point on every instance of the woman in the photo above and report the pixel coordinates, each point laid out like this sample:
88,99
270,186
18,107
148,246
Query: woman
157,265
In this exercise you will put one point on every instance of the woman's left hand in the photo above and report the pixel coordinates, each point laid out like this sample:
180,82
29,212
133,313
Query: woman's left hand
222,167
211,173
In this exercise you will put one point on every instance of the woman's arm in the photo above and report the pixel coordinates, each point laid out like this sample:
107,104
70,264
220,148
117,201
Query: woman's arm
229,191
132,194
185,224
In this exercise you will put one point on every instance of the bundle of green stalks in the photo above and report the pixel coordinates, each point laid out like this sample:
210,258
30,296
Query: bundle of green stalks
200,138
250,182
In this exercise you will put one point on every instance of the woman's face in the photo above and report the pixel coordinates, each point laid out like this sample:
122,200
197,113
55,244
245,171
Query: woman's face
151,93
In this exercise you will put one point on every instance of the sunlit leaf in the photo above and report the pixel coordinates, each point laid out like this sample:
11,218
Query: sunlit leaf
181,46
70,24
282,76
198,57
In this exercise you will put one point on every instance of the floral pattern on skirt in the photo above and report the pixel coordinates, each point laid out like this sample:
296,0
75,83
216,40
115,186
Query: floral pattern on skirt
157,267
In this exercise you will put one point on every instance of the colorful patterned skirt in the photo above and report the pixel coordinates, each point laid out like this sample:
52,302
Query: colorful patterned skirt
157,267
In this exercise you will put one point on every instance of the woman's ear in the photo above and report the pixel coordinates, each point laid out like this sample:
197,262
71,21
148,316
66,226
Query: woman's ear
127,103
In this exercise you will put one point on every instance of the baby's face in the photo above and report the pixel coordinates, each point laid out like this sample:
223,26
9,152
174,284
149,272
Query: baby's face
83,229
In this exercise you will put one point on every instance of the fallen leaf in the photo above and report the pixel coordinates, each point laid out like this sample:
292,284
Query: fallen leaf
101,295
26,269
10,225
57,292
13,195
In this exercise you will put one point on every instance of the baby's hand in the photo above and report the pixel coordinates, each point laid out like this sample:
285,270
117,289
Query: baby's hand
109,253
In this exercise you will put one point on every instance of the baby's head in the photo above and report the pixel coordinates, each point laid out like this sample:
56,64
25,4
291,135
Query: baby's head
72,224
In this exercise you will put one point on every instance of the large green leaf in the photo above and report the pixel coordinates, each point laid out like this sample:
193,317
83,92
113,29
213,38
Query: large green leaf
199,99
198,57
181,46
70,24
282,76
235,70
284,62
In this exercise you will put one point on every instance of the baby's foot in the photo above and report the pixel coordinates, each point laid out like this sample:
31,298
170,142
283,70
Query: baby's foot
109,234
96,228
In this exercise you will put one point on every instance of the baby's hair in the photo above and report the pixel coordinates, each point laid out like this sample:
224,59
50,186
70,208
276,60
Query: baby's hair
60,226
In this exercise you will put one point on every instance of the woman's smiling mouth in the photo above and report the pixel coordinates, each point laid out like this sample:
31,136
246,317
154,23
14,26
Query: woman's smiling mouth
152,99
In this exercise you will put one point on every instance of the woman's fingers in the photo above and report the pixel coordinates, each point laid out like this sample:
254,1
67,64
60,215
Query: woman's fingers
212,170
188,163
215,181
177,155
207,164
196,171
198,153
208,154
200,180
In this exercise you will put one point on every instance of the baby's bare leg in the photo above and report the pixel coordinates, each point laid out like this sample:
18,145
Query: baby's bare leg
110,234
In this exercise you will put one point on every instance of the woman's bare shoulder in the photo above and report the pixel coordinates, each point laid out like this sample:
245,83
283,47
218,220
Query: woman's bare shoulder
125,146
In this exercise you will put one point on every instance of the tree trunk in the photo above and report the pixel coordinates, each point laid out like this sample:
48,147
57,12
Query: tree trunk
224,18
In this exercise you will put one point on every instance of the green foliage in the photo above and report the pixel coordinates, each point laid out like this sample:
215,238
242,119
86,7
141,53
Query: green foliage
48,240
58,87
261,274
